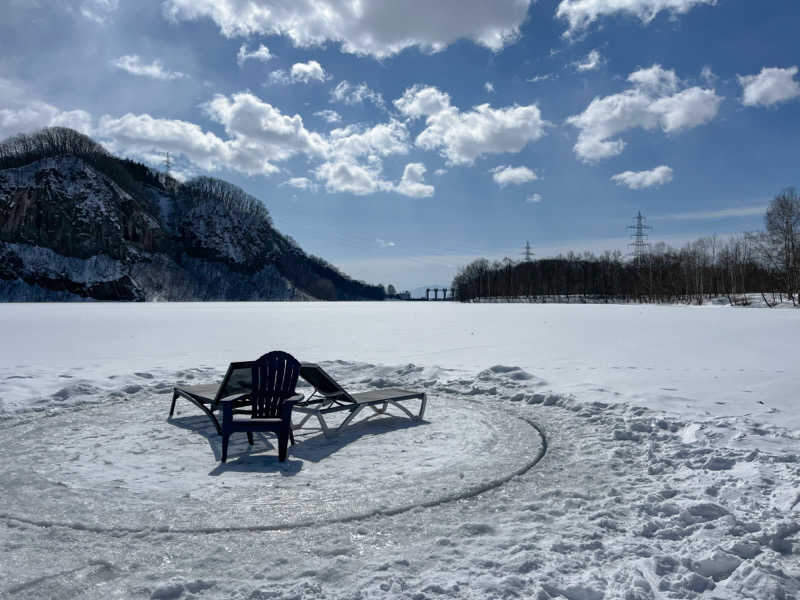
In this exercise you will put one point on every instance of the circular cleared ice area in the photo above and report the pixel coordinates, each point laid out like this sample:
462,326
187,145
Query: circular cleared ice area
123,466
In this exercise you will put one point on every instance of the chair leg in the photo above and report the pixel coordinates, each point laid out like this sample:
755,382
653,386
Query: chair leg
225,437
291,436
283,442
172,408
250,437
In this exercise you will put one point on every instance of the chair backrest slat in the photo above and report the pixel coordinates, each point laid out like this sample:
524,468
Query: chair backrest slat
274,377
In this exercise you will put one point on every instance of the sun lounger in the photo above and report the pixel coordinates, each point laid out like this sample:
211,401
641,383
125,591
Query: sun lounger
236,386
330,398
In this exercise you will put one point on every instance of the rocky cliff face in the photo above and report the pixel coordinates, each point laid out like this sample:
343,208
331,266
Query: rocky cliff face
75,227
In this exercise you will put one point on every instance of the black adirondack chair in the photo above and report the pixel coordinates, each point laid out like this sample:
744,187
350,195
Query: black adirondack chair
274,377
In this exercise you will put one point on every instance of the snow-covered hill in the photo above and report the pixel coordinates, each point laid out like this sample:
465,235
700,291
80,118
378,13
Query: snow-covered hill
83,224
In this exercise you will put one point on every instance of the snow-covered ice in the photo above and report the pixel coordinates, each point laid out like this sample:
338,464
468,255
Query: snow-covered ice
578,452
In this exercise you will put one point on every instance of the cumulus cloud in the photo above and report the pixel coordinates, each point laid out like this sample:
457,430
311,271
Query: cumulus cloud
259,130
301,183
133,64
35,115
331,116
637,180
300,73
489,87
261,54
771,86
506,175
413,182
461,137
379,28
351,94
256,136
579,14
384,243
590,62
534,198
653,101
142,135
354,158
440,172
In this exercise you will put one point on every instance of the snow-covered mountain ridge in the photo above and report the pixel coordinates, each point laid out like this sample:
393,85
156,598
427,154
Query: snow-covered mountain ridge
86,225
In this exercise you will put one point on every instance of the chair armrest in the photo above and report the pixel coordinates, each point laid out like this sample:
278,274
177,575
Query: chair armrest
295,399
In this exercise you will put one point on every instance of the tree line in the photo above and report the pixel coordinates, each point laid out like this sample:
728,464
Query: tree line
766,262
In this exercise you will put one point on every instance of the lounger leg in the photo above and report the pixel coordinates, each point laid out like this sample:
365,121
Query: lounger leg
250,437
225,437
283,442
172,408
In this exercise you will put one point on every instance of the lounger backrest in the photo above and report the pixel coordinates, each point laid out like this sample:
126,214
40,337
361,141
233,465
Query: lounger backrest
238,380
274,379
323,383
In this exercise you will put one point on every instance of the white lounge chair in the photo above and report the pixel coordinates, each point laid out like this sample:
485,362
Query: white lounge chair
329,397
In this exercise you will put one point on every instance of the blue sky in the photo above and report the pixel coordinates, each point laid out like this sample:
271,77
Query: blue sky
400,140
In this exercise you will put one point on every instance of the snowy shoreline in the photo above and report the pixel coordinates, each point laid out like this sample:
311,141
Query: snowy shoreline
635,496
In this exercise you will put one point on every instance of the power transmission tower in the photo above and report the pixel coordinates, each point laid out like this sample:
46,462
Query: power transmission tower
527,252
639,235
167,162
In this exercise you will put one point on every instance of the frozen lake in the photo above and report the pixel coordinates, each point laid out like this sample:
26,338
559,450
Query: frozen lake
568,452
717,359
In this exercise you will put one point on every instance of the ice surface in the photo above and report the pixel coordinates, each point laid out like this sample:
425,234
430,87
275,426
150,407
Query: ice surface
671,469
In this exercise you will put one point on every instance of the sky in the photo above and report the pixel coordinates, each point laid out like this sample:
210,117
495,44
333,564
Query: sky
402,140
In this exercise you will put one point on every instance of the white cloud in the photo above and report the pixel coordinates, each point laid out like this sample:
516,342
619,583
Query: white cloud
142,135
489,87
461,137
349,93
637,180
506,175
354,158
534,198
260,132
133,64
300,73
413,182
771,86
579,14
331,116
40,114
261,54
711,215
301,183
384,244
652,102
440,172
539,78
98,11
707,75
379,28
589,63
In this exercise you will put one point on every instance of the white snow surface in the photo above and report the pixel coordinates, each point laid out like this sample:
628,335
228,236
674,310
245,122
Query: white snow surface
577,452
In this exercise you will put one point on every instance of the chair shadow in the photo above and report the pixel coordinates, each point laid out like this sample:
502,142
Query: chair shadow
313,446
311,443
242,457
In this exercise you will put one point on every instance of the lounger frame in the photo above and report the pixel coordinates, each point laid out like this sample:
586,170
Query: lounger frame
336,399
226,389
